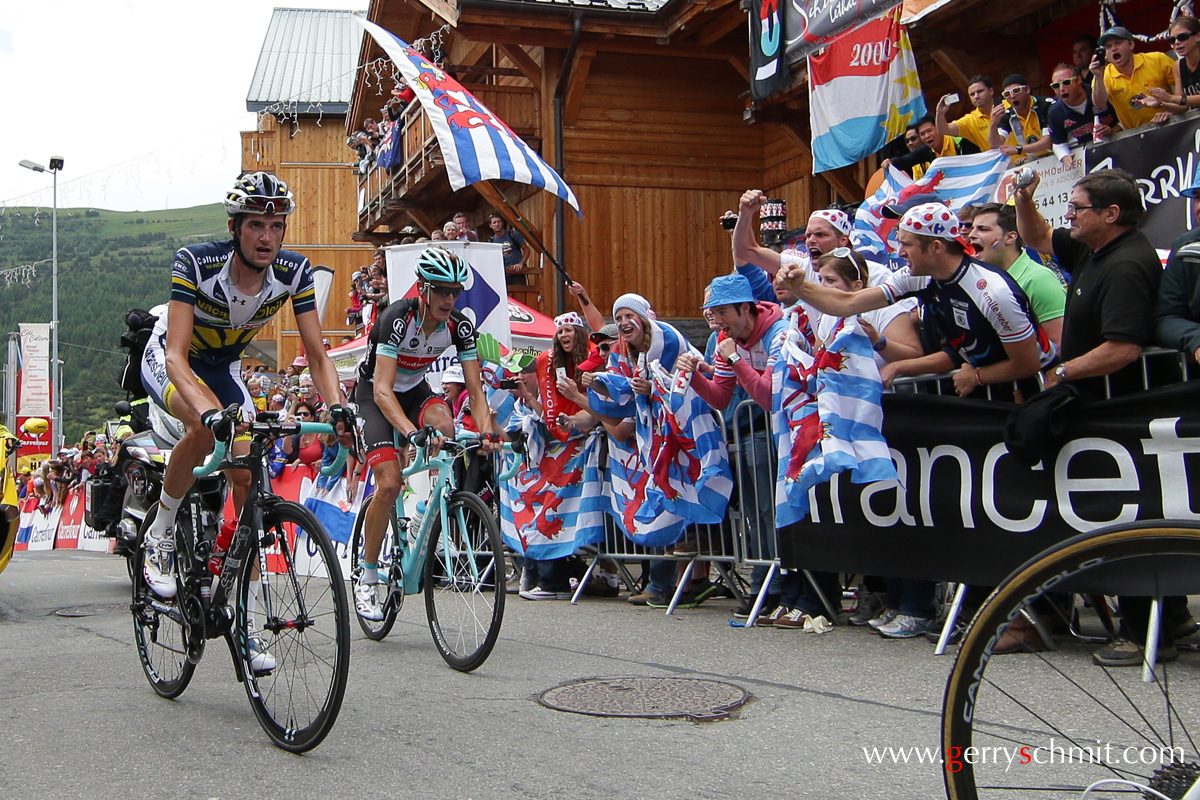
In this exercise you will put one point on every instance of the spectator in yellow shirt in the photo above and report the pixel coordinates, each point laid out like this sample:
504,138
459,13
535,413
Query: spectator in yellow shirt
972,126
1128,77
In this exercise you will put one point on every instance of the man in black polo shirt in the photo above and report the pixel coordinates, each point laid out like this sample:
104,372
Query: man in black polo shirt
1115,275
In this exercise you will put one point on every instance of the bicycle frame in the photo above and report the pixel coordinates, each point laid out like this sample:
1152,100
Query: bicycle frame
251,519
415,550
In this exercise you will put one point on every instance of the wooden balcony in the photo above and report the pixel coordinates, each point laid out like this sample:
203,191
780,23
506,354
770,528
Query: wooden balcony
417,189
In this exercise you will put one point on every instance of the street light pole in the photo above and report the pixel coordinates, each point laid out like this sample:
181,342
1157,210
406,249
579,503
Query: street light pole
56,164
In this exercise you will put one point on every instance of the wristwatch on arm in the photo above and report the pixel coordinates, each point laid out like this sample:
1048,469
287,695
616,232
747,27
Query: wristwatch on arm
733,358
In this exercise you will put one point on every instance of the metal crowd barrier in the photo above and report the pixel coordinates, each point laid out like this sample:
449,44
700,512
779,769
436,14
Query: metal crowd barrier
749,537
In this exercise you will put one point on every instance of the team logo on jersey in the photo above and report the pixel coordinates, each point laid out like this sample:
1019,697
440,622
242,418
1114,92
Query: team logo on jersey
414,342
981,284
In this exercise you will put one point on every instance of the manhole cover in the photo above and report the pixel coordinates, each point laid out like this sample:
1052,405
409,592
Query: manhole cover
90,611
646,697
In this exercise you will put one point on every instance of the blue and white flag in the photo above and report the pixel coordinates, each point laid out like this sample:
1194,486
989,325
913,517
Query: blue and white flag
476,144
864,91
555,503
675,470
828,414
956,181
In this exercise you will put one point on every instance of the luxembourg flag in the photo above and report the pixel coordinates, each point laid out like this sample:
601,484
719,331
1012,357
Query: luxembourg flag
956,181
476,144
864,91
828,415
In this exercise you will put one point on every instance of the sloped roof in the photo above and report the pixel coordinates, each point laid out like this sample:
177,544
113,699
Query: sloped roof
308,62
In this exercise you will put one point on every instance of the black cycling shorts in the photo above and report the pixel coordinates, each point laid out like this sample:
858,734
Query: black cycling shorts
379,434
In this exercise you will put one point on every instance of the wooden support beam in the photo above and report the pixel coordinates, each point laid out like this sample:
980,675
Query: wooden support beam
475,69
523,61
468,53
729,20
423,220
739,65
689,12
494,198
951,62
842,179
575,86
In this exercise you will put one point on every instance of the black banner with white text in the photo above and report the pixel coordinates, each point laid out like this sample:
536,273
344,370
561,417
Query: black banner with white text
967,511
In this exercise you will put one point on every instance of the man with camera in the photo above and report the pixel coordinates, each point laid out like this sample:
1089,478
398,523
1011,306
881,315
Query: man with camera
974,125
1126,77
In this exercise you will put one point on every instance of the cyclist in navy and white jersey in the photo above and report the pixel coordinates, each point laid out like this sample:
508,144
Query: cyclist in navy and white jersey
394,399
221,294
981,314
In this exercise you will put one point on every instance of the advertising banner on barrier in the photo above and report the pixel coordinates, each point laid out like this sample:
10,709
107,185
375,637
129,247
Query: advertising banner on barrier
70,521
1163,160
42,529
966,510
1054,188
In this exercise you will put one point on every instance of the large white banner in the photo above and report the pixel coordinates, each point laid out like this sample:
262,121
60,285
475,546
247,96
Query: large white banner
35,397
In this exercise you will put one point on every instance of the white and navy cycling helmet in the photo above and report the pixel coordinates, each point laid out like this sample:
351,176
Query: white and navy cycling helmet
259,193
436,264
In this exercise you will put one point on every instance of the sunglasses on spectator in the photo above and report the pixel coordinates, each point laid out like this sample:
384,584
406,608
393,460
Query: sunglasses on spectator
303,414
1063,82
445,291
1013,91
605,348
846,252
1180,38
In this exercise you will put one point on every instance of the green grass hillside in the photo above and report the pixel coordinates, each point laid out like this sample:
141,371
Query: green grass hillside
108,263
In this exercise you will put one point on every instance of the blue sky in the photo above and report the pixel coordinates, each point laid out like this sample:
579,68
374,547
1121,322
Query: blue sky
144,101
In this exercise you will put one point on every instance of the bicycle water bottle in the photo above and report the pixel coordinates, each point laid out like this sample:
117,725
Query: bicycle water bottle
220,547
414,524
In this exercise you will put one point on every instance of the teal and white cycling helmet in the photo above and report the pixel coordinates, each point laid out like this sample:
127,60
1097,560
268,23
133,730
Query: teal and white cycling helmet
259,193
436,264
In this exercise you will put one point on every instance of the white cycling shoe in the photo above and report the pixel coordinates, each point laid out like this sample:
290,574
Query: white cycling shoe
157,565
366,601
261,659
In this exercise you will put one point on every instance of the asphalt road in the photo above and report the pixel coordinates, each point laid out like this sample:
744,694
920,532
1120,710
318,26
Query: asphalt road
77,718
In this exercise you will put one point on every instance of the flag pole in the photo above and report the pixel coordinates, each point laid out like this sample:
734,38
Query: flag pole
528,228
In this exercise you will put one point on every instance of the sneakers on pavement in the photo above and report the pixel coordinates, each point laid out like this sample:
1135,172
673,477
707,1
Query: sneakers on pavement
645,598
261,659
743,609
769,620
157,565
1124,653
886,616
870,604
686,600
366,601
538,593
793,620
906,627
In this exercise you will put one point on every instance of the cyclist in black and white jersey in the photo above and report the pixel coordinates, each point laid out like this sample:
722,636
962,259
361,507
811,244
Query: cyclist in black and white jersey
394,399
982,316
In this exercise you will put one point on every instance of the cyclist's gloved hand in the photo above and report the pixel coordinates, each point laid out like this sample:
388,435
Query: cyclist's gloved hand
220,422
344,414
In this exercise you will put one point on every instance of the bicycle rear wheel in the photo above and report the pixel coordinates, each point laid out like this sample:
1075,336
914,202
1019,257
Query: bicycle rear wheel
159,630
464,582
293,625
376,629
1049,724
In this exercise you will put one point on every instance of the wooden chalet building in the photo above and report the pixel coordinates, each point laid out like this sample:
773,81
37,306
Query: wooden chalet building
301,90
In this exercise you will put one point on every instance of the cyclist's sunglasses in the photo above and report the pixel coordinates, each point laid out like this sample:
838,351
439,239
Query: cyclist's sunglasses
444,291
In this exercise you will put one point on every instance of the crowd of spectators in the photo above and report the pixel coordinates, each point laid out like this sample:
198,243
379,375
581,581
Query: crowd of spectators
1105,87
366,142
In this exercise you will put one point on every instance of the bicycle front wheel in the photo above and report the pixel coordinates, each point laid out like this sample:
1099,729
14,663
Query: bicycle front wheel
293,629
464,582
162,636
376,629
1048,723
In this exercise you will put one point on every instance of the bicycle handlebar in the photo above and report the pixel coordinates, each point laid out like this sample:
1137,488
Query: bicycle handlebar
266,426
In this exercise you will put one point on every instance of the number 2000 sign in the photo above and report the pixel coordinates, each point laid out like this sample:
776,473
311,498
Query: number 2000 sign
871,54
